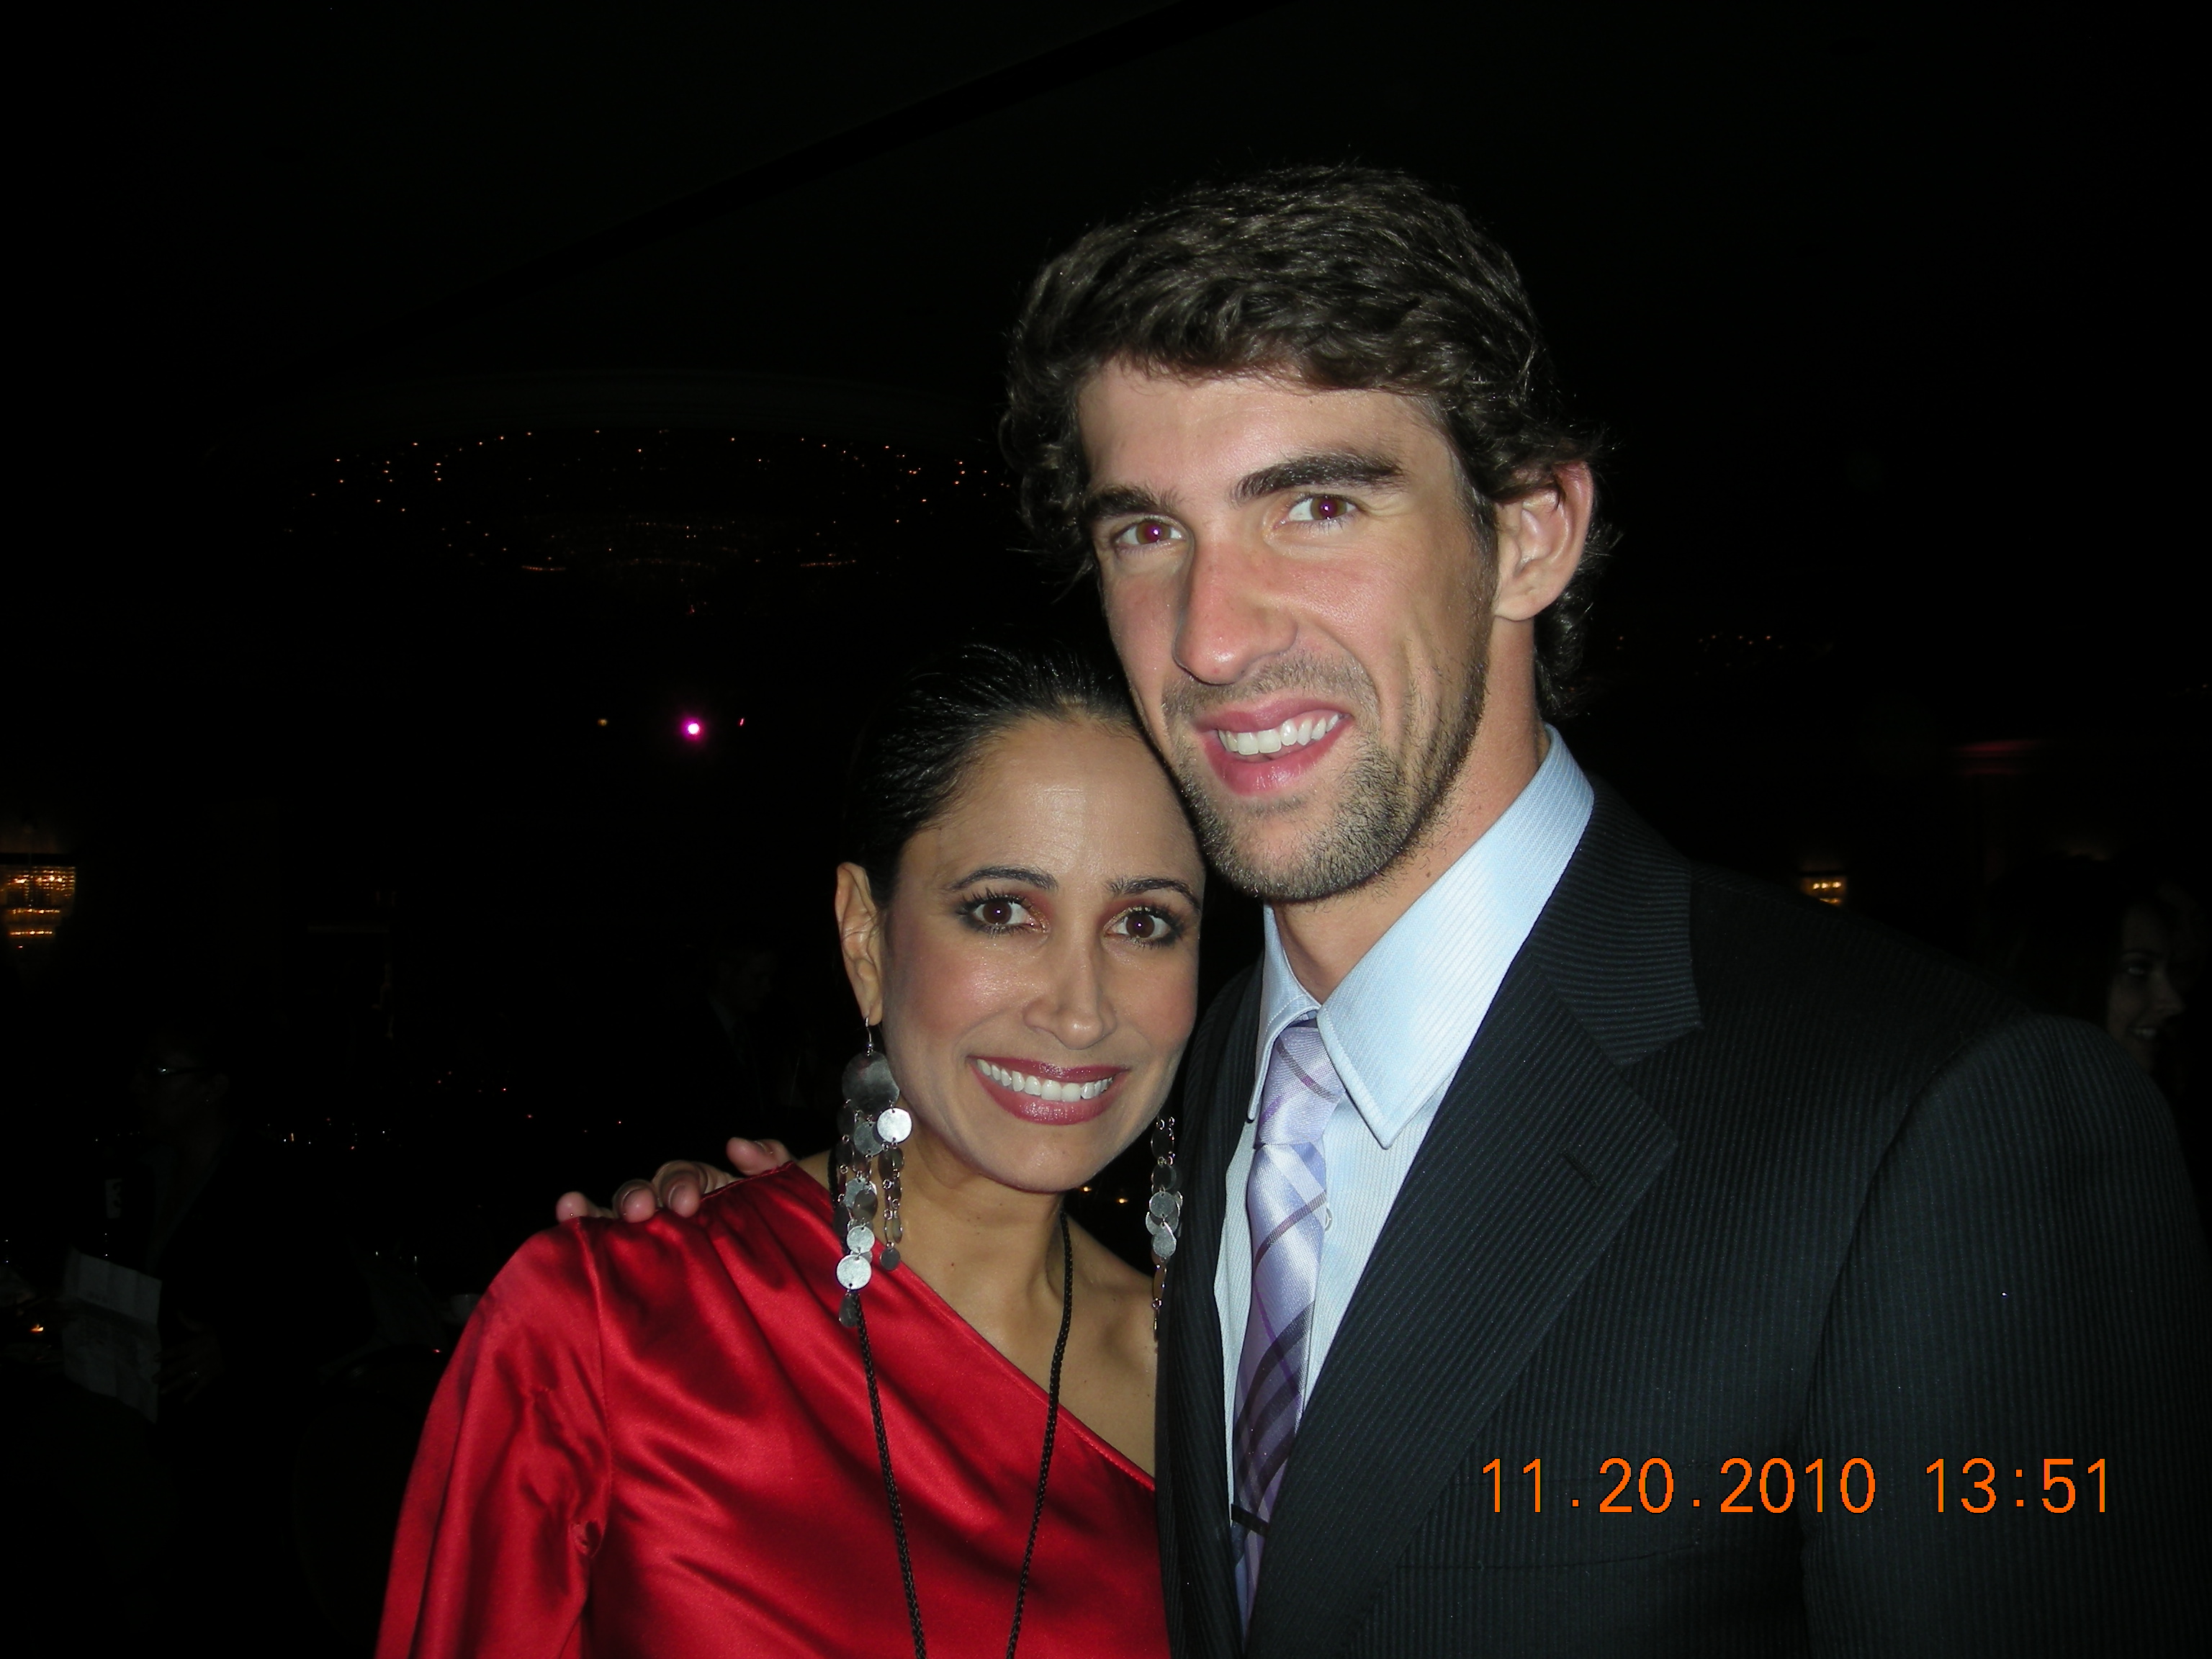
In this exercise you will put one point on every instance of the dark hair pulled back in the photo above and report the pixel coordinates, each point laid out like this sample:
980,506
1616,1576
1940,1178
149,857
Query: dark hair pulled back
914,756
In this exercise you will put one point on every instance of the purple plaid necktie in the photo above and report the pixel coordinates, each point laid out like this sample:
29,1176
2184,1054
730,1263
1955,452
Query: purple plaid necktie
1285,1197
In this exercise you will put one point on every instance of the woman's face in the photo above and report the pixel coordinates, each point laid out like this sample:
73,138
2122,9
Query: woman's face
1037,971
2142,997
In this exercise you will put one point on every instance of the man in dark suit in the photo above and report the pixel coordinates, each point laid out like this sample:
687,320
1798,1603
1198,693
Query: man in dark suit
1548,1195
1583,1252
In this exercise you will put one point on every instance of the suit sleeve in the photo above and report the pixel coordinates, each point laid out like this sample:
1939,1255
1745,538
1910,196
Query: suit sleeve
507,1501
2027,1284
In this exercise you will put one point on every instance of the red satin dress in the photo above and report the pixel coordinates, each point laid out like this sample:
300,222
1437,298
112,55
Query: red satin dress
653,1440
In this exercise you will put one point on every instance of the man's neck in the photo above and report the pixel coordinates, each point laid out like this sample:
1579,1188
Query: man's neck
1323,939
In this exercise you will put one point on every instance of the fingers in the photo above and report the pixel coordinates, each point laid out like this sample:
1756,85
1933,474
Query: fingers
574,1206
680,1184
678,1187
752,1157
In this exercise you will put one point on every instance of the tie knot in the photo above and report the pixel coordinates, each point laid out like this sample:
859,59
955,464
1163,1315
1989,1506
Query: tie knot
1302,1089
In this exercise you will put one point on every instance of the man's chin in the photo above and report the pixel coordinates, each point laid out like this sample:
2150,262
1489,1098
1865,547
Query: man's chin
1277,852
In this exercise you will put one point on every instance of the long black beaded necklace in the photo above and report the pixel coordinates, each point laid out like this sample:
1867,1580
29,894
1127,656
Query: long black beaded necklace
1044,1463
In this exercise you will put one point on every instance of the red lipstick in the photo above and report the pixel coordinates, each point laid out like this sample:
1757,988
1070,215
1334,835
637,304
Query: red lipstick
1035,1109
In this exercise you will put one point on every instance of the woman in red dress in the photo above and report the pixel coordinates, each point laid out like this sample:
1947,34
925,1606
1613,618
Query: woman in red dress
757,1429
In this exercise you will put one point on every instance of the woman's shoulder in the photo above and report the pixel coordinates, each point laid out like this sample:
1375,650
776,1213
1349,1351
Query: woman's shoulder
770,1215
785,1209
752,1236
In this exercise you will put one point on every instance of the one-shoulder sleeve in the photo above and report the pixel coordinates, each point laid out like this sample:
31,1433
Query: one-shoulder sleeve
506,1504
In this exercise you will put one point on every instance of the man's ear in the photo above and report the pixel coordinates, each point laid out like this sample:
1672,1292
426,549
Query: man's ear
1540,542
859,936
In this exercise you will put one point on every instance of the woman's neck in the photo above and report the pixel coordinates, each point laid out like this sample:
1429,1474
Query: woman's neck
993,1254
991,1251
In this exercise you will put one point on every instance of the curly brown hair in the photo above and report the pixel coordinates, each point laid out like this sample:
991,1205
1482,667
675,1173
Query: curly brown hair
1347,278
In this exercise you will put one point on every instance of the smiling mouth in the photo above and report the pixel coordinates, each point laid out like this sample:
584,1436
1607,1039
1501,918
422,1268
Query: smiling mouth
1086,1084
1293,734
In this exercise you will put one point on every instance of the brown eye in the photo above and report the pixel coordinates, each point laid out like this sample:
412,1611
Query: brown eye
998,914
1146,532
1320,509
1145,926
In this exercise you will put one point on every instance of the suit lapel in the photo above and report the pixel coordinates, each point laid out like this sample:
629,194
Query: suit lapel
1539,1152
1194,1447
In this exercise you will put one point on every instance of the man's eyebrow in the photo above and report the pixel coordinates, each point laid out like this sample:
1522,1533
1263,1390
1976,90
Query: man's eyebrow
1002,872
1119,501
1124,886
1342,470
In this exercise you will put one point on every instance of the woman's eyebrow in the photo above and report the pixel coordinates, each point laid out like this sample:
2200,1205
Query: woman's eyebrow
1123,886
1002,872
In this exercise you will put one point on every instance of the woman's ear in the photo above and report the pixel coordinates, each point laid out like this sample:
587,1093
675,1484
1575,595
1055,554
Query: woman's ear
861,937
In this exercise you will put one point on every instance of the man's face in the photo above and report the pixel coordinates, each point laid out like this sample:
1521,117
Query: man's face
1295,586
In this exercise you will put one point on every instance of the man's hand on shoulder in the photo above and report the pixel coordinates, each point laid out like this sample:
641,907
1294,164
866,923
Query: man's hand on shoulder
678,1186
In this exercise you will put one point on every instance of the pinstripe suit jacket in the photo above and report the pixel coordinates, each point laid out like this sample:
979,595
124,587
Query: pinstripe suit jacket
1724,1175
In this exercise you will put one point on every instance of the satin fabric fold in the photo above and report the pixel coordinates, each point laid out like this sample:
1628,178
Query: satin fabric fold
653,1439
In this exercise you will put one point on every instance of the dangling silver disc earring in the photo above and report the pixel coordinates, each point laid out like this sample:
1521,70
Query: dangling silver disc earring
872,1127
1164,1211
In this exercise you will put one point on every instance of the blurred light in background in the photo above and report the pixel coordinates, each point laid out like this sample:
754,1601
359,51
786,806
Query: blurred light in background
1829,886
34,899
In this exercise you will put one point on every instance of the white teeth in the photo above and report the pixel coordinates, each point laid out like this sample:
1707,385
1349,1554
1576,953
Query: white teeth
1042,1088
1290,734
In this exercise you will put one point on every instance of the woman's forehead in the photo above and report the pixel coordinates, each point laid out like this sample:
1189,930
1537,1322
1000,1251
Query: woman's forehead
1069,797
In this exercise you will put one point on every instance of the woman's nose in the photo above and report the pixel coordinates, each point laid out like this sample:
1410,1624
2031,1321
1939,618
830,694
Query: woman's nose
2165,996
1072,1007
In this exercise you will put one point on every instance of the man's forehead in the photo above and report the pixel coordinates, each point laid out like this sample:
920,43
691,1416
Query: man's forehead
1136,422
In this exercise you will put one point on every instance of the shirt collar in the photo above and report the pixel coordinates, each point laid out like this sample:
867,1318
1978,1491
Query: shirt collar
1398,1026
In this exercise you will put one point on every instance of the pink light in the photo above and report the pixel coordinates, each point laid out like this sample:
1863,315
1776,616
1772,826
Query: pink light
693,731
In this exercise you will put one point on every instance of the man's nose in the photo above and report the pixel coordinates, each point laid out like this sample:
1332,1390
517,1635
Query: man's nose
1072,1006
1231,618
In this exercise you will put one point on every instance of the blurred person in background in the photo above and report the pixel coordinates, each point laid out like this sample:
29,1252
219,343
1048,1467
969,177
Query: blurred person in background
2108,942
2114,943
255,1302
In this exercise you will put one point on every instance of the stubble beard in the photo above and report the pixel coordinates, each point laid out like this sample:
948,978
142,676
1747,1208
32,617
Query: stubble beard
1385,803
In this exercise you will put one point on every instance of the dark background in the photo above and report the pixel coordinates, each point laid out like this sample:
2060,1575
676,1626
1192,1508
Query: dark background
403,393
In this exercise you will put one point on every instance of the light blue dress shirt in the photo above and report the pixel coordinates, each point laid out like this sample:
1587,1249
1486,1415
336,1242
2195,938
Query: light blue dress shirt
1396,1029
